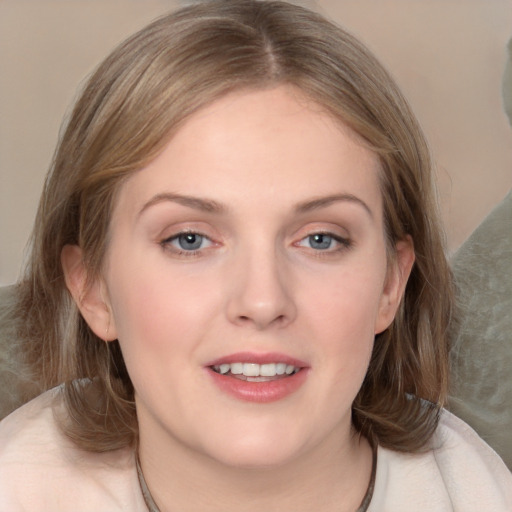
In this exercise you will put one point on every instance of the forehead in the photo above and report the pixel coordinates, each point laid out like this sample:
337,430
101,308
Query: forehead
271,145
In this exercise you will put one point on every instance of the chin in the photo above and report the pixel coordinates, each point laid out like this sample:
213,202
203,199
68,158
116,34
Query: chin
251,460
256,451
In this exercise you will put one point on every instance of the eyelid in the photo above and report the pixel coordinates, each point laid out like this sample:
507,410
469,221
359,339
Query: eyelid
345,241
186,231
319,227
342,240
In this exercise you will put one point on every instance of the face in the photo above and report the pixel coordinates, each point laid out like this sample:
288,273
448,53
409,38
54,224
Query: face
246,278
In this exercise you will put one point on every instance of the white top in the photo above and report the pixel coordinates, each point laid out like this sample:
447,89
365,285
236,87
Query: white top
42,471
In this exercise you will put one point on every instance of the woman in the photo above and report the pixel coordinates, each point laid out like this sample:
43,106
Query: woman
238,286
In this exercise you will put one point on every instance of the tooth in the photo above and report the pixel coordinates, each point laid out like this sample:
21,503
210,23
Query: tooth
256,370
268,370
289,369
280,368
257,379
237,368
251,370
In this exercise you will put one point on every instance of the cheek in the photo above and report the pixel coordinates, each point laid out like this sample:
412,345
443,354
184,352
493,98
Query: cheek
342,320
347,302
159,312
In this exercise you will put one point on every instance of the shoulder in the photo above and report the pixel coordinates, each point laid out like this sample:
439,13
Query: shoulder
459,472
41,470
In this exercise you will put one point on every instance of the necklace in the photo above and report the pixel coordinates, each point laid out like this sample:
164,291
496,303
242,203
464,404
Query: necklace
148,499
371,484
152,506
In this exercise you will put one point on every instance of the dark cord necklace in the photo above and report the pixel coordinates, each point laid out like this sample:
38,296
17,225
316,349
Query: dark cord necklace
152,506
148,499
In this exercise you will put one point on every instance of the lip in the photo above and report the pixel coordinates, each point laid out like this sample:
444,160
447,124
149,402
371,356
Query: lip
253,357
259,392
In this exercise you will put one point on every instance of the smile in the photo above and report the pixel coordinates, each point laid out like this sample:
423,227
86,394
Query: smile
261,378
253,372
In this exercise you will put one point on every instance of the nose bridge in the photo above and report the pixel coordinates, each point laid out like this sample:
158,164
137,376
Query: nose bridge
261,292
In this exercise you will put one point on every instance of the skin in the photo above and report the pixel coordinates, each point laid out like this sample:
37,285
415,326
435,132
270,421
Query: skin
258,283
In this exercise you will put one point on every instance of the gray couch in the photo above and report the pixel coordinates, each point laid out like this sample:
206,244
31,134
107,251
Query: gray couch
481,354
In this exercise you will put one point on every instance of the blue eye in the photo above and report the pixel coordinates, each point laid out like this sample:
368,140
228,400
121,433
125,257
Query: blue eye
320,241
187,242
324,242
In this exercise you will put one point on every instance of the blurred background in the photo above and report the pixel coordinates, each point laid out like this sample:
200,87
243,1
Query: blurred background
447,55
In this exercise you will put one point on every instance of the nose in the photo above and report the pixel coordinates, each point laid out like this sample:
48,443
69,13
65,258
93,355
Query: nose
261,291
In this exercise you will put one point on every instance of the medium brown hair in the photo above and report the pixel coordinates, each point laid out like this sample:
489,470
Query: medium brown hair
130,107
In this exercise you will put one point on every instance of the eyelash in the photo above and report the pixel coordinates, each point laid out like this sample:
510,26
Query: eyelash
167,244
342,244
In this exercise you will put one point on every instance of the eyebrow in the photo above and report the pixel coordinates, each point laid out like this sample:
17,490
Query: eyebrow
323,202
211,206
197,203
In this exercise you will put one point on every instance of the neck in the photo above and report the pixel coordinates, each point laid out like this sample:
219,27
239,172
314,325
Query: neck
323,478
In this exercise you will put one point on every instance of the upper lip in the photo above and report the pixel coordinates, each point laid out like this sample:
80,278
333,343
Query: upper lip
258,358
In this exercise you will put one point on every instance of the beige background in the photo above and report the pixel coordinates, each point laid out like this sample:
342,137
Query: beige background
448,56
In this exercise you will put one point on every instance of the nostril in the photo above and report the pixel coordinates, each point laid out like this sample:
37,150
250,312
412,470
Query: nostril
280,319
244,319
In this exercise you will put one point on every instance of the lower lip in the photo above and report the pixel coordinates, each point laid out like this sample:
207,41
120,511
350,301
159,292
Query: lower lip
261,392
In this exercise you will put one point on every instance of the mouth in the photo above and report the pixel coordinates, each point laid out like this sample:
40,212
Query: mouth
258,377
254,372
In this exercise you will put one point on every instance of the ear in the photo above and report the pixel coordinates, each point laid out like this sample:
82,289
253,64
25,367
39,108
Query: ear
90,296
399,269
